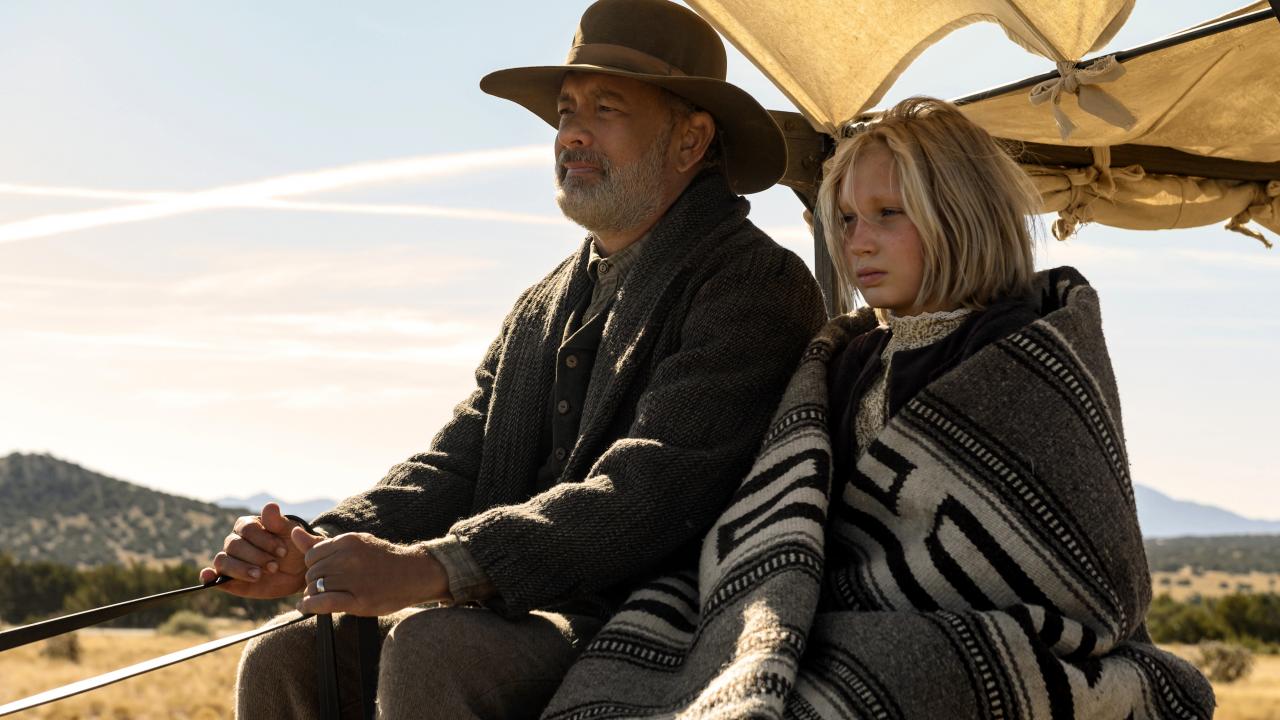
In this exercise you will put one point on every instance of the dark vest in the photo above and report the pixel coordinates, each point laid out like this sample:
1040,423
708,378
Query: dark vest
574,360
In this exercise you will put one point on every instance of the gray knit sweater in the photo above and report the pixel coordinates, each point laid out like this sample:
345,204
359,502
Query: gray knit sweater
705,331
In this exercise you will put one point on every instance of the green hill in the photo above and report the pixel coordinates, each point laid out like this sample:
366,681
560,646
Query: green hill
53,510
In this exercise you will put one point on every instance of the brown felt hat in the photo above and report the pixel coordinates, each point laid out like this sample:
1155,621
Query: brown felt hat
666,45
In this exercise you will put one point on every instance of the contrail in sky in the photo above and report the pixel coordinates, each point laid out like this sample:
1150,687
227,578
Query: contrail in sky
266,193
331,207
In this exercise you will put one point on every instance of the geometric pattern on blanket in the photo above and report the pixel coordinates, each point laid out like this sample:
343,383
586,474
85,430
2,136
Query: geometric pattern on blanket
983,560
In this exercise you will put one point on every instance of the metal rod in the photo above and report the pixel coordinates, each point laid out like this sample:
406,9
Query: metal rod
1132,53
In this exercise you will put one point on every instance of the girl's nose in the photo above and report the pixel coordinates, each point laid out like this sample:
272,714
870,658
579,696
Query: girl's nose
857,239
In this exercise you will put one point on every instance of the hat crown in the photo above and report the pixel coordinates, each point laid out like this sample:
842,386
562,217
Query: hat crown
672,34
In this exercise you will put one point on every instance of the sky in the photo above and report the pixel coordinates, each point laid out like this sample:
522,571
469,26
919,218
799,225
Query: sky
254,246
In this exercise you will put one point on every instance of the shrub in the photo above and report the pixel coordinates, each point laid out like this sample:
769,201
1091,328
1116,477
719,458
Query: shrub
185,621
62,647
1173,622
1225,662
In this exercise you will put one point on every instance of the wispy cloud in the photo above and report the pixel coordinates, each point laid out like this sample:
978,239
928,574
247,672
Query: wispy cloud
390,269
413,210
330,396
345,398
264,272
465,350
1260,259
271,190
125,339
368,322
48,282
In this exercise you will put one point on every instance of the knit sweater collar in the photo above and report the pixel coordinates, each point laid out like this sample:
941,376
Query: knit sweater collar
908,332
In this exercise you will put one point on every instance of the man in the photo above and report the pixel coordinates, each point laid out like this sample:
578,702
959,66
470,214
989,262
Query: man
613,416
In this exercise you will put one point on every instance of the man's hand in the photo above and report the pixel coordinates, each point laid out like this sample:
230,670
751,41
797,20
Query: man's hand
366,576
260,556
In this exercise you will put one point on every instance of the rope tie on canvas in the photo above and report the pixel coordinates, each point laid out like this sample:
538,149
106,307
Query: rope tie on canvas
1082,82
1265,209
1088,185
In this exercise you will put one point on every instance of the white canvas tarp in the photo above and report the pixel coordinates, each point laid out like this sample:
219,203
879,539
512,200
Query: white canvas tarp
1215,97
836,58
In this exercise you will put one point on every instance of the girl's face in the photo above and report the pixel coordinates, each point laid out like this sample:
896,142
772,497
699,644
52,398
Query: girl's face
881,245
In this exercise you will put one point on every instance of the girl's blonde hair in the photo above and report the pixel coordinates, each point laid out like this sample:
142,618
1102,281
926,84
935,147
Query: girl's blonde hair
972,205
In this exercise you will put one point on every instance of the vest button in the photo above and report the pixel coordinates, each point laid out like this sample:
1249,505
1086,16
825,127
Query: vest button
562,407
561,454
571,361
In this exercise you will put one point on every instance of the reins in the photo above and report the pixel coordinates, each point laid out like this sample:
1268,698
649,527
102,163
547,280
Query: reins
326,655
115,676
35,632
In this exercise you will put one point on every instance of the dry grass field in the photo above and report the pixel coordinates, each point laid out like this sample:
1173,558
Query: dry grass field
1184,584
201,689
1256,697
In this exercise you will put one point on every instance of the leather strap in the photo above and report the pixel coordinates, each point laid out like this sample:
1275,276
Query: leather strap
370,651
326,656
327,669
147,666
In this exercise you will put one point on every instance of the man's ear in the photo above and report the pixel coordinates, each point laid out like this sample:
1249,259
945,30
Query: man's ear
697,132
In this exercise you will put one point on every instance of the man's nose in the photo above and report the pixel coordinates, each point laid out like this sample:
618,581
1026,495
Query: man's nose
573,132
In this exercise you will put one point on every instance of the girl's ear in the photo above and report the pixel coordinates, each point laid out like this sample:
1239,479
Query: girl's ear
696,133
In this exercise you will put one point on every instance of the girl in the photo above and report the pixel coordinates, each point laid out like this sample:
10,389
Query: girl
940,522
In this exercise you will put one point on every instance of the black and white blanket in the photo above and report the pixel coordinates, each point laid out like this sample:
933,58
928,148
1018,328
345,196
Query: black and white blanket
983,561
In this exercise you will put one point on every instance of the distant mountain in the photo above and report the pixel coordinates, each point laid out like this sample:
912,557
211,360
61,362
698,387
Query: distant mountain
57,511
1160,516
51,509
307,509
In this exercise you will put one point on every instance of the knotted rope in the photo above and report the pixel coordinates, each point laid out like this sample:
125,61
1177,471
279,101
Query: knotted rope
1083,82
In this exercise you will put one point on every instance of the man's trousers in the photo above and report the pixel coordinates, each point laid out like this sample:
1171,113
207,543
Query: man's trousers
446,662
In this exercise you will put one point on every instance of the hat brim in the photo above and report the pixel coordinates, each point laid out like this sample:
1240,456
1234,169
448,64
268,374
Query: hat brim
755,152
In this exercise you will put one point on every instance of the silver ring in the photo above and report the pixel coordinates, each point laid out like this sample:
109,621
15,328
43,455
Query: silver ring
319,585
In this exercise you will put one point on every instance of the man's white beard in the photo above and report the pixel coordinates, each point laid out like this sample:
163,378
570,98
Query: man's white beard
622,197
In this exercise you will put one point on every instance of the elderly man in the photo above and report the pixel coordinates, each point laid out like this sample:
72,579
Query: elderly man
613,415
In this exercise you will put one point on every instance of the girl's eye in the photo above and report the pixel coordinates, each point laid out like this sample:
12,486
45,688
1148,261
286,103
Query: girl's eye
563,111
887,212
849,219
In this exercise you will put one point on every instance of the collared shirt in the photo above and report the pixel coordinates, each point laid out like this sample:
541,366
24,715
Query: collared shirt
467,581
607,274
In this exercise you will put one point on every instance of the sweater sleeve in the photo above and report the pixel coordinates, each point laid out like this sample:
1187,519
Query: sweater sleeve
422,496
696,427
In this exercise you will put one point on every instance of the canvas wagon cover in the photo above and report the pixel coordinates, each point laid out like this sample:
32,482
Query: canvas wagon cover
1181,136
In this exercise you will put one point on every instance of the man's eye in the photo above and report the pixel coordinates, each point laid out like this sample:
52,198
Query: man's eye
606,108
563,110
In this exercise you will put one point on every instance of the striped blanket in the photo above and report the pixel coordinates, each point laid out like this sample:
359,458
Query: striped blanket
983,561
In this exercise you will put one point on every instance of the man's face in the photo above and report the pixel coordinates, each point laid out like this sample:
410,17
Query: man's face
614,151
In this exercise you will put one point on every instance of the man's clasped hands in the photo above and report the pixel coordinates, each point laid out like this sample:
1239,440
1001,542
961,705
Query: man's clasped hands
271,556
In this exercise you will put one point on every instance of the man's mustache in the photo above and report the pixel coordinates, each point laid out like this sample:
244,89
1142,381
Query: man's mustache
593,157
